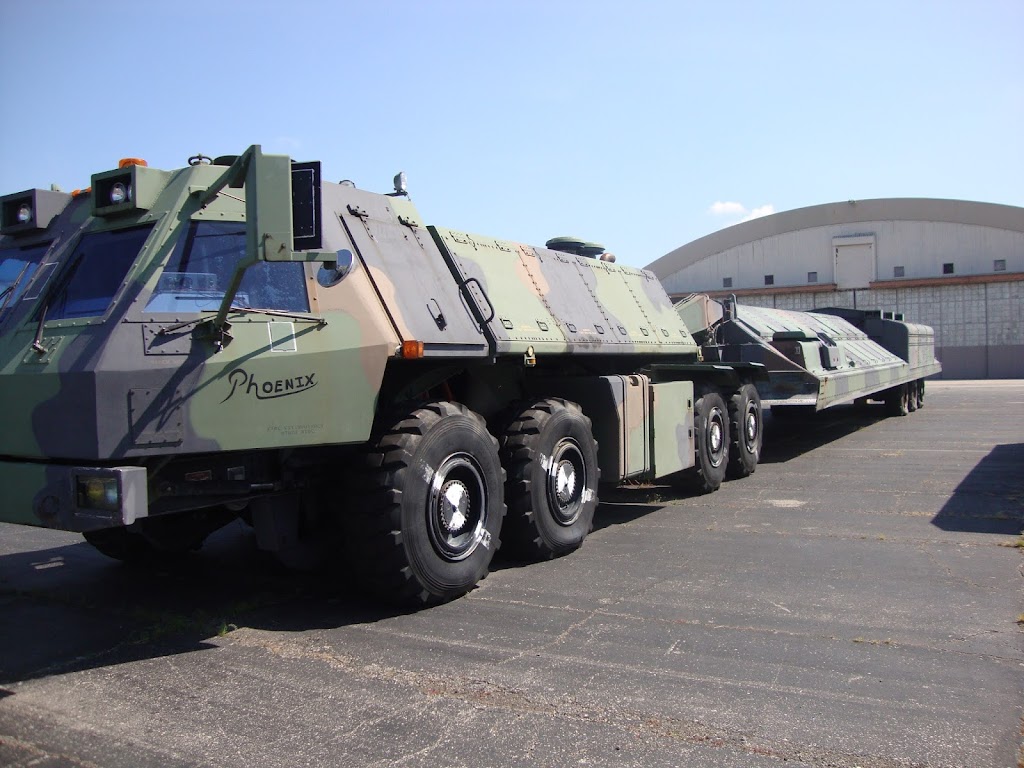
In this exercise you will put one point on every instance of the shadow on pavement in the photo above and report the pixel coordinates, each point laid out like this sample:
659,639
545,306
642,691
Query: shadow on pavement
70,608
999,480
796,434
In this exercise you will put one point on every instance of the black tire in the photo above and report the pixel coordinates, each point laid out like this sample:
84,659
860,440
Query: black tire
746,424
896,401
920,393
911,397
124,545
429,522
711,446
550,455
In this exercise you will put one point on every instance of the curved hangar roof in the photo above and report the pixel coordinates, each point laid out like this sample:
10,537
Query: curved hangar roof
838,217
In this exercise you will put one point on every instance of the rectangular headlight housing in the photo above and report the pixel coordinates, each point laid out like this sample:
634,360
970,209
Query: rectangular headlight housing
30,211
117,494
133,188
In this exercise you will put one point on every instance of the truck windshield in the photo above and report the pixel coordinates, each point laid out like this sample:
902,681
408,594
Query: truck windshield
95,271
17,265
202,265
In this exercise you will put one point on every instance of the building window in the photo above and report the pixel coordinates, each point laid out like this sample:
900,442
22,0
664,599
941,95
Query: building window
812,277
898,272
769,279
947,268
727,282
999,265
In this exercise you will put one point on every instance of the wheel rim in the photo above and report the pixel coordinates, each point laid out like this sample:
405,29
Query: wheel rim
566,482
457,510
750,427
716,436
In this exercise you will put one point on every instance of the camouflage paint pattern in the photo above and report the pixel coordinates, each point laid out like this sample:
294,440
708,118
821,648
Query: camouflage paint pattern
171,382
559,303
819,358
132,383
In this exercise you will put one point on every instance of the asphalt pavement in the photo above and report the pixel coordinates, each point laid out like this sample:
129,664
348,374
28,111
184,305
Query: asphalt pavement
856,602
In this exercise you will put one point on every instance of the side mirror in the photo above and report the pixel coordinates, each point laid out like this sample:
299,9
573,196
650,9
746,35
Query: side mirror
333,272
271,206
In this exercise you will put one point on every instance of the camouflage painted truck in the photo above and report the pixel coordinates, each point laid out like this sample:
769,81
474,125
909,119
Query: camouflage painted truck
238,338
819,359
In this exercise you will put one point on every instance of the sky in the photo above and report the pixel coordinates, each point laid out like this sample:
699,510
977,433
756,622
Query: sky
640,125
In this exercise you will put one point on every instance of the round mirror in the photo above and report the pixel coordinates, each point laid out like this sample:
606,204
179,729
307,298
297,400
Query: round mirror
333,272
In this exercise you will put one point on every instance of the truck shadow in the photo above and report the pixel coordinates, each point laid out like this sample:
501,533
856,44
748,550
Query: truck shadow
991,498
786,439
69,608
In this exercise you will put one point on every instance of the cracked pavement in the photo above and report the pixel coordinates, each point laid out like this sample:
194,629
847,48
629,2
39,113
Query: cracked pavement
853,603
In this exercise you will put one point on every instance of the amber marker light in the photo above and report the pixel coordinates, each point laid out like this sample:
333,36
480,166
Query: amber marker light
125,162
412,349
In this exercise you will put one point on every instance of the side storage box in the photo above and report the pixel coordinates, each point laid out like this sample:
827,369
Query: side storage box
672,427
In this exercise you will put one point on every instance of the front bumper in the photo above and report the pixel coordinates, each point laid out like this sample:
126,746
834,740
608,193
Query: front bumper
51,495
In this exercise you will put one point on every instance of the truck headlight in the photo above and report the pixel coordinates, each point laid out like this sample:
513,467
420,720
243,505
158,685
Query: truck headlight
119,193
98,493
24,213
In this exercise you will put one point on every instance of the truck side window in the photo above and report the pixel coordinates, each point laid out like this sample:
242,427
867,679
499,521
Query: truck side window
17,265
95,272
200,269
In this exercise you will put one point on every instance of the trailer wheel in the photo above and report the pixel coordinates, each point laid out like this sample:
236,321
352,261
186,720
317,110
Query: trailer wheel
912,396
711,446
550,455
746,428
920,393
428,525
896,401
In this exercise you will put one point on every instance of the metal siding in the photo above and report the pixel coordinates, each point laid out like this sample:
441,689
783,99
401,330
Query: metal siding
921,247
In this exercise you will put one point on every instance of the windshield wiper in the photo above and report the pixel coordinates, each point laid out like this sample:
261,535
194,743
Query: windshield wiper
37,342
245,311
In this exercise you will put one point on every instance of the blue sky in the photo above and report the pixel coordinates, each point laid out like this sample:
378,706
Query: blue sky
641,125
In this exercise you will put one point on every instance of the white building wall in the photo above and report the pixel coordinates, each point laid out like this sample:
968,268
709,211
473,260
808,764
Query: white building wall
920,247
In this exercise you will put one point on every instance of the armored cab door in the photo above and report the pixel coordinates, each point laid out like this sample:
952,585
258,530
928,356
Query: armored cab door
414,283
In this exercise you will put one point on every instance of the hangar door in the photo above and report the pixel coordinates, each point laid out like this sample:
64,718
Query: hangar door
854,261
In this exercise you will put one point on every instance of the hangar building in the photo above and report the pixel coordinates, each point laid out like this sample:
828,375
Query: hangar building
957,266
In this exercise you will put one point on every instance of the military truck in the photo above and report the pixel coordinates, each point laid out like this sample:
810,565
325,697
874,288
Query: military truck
239,338
818,359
